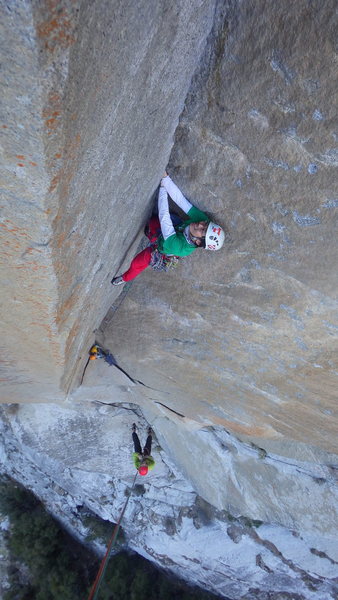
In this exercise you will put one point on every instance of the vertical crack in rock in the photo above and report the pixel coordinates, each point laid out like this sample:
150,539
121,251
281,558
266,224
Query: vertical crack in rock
170,409
255,149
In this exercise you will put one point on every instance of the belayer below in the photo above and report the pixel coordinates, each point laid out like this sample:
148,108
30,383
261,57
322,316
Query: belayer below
168,241
143,460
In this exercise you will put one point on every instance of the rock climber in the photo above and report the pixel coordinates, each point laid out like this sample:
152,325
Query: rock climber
143,460
172,238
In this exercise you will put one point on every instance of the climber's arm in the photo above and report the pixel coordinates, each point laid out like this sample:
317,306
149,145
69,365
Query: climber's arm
176,194
195,214
167,226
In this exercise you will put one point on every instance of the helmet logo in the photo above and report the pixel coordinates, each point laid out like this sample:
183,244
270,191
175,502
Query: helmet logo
217,230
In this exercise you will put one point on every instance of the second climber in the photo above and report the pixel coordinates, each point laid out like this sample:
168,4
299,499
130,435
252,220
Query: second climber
143,460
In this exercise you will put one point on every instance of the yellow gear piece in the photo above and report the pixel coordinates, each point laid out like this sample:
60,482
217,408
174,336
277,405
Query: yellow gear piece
93,352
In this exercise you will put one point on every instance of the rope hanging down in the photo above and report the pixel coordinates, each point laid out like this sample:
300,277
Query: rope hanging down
104,563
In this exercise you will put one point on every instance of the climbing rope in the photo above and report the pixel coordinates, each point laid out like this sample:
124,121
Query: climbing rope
104,563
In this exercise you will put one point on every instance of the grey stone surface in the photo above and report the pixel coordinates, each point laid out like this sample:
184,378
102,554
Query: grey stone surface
78,458
233,354
32,349
93,93
234,476
135,65
246,338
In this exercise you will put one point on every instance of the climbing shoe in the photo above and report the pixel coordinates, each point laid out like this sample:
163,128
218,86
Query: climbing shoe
134,427
150,431
118,280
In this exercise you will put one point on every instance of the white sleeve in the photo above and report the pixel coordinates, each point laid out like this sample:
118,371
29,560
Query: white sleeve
167,226
176,194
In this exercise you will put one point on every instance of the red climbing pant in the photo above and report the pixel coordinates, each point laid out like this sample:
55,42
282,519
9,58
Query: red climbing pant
138,264
143,258
153,229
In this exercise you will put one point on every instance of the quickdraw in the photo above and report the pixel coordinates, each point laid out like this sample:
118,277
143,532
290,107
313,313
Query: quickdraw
162,262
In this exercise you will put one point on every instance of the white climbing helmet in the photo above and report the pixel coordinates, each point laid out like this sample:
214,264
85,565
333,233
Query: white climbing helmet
214,237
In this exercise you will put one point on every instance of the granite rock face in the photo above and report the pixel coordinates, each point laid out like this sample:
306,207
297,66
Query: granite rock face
92,96
247,337
166,521
232,357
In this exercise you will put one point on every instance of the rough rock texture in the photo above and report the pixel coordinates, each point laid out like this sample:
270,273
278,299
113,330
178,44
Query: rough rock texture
236,557
247,337
92,96
233,356
232,475
32,348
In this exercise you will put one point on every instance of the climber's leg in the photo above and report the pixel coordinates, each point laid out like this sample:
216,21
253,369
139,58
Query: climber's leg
138,264
153,228
137,444
147,447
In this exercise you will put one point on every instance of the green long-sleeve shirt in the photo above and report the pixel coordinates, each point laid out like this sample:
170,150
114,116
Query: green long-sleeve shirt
172,239
177,244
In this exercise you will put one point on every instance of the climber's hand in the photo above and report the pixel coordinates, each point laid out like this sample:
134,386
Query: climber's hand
164,175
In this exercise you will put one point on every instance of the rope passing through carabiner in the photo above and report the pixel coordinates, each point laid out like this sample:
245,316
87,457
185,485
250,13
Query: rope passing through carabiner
104,562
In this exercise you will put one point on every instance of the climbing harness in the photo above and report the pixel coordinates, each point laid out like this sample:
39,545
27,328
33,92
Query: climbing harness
104,563
162,262
159,261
